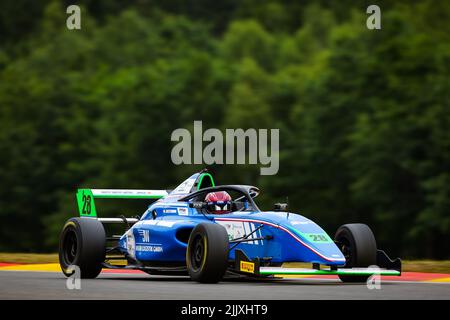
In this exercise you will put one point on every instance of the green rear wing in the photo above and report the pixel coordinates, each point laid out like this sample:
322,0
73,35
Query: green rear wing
86,203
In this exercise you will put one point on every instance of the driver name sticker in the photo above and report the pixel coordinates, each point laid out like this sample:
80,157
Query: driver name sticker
169,211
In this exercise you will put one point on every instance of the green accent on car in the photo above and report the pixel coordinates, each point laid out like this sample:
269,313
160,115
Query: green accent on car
127,197
316,237
86,204
352,272
202,176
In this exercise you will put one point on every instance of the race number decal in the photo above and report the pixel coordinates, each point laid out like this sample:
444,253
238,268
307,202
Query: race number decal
317,237
86,205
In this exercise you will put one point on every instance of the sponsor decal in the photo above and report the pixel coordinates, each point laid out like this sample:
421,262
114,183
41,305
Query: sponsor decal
128,192
235,230
300,222
170,211
246,266
183,211
145,235
149,248
238,229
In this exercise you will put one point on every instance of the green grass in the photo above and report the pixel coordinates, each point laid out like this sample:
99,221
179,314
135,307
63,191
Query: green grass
436,266
440,266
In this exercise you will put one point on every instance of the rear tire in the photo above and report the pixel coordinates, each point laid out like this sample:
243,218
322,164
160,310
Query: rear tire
82,243
207,253
357,243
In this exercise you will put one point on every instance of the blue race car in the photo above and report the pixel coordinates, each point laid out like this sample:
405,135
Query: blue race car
208,231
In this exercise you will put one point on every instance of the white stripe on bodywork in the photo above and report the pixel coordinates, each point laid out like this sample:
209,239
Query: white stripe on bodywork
246,229
252,230
161,223
128,193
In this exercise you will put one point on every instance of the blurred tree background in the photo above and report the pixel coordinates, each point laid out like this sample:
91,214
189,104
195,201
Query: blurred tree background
364,115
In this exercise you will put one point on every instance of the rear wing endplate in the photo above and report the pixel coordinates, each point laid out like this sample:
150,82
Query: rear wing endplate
86,204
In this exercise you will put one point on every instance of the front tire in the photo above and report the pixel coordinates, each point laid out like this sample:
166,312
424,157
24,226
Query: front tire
358,244
82,243
207,253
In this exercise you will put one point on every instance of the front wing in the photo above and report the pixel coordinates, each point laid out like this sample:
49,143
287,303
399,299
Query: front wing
246,266
342,271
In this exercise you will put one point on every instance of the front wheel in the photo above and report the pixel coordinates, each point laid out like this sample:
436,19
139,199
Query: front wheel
207,253
358,245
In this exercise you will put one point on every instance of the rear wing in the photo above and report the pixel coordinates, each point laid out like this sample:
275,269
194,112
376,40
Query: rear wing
86,203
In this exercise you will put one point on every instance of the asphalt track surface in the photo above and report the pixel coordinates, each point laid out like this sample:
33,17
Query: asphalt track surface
52,285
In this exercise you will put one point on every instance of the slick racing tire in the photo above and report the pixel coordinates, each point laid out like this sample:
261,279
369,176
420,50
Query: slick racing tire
357,243
82,243
207,253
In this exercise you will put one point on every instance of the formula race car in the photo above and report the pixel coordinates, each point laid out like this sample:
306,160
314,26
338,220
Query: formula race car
208,231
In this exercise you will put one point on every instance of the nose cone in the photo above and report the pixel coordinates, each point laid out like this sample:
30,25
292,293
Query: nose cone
314,244
316,239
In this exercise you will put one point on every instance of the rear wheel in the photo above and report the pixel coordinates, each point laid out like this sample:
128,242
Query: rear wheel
207,253
357,243
82,243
